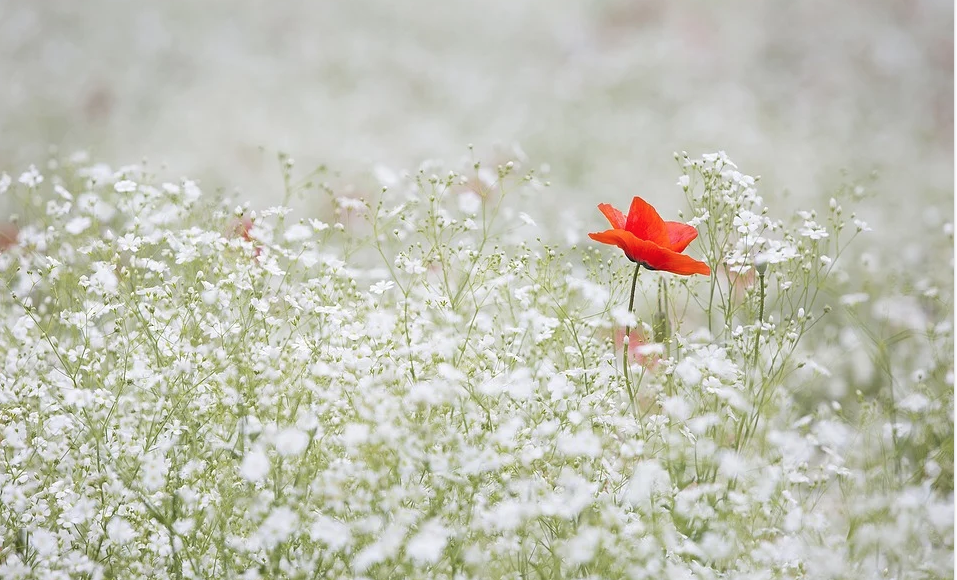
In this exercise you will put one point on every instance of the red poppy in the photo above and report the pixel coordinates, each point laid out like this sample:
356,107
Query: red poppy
650,241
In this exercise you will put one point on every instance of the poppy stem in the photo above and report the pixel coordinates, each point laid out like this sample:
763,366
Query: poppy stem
631,310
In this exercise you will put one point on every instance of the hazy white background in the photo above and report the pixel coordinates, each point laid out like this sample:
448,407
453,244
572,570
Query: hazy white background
601,91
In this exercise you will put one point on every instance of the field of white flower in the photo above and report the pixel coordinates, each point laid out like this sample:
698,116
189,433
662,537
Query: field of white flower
432,382
340,369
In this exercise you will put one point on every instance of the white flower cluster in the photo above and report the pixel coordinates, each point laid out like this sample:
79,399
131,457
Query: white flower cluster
405,389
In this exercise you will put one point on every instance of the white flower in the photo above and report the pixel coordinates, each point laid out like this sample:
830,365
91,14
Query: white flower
44,542
581,548
747,222
388,543
854,299
21,330
280,524
350,203
527,219
409,265
104,280
583,443
4,183
119,531
78,225
129,243
813,230
697,220
426,546
125,186
684,181
298,232
649,479
191,191
776,252
62,192
689,372
183,527
330,532
291,442
255,466
154,470
31,177
81,510
677,408
381,287
621,316
210,295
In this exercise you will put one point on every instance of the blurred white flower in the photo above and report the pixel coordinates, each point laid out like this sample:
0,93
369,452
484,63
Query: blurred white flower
119,531
78,225
298,233
291,442
427,545
255,465
125,186
382,287
31,178
281,523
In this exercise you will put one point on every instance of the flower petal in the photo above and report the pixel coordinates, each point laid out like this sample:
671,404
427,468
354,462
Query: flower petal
615,237
645,223
615,217
651,255
680,235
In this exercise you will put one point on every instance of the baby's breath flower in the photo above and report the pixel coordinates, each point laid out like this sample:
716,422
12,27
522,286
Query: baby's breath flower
78,225
382,287
813,230
298,233
125,186
255,466
198,390
291,442
31,178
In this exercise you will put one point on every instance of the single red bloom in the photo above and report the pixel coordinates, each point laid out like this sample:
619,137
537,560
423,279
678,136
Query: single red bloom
650,241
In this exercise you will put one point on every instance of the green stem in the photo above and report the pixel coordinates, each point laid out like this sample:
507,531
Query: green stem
631,310
757,336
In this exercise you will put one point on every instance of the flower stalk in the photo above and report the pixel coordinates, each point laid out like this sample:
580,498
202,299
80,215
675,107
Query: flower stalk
631,312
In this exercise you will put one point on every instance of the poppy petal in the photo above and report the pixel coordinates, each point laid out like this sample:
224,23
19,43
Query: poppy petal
621,238
645,223
680,235
615,217
651,255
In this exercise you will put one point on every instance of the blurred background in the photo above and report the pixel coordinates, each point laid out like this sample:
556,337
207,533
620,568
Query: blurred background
807,94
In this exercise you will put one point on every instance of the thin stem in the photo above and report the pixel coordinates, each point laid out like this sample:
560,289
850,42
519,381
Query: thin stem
757,335
631,310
